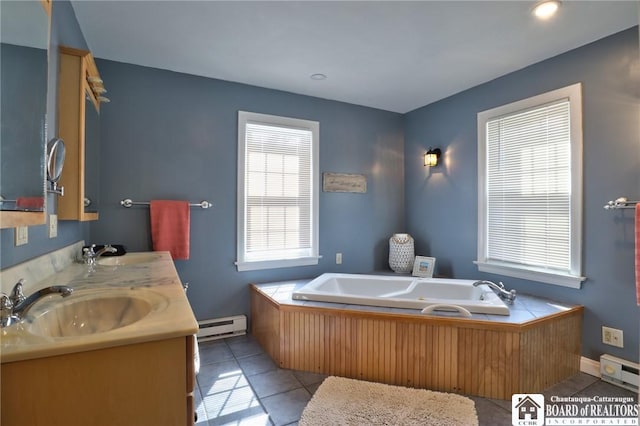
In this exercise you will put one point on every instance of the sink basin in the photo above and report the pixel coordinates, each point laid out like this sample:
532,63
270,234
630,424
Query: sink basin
93,313
127,259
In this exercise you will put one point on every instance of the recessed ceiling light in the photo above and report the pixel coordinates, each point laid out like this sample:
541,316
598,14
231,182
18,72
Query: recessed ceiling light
546,9
318,76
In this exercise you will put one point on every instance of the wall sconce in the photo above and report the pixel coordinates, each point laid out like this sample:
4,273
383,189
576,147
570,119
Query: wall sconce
432,157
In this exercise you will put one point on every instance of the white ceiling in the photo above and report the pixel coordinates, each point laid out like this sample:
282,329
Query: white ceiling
392,55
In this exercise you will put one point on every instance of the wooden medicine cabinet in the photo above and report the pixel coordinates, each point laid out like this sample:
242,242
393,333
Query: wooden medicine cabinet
80,88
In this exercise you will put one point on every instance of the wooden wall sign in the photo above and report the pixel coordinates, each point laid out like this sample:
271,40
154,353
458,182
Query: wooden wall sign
342,182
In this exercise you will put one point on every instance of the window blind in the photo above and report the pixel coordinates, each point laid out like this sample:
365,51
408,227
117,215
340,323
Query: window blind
529,187
278,192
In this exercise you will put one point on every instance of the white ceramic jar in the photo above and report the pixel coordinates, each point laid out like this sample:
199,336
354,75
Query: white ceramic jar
401,253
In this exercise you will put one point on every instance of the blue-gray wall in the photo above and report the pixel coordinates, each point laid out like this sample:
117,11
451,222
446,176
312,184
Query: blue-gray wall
64,31
167,135
441,204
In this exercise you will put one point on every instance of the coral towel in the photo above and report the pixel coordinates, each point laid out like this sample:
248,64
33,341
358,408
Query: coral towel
170,227
638,253
30,203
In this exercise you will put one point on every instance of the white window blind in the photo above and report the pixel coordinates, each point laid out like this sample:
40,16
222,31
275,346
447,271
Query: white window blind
530,192
277,192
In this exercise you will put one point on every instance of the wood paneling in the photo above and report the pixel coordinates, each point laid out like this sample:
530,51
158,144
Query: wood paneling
481,358
267,329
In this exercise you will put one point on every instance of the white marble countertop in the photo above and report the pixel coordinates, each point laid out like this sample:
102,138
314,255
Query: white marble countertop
154,286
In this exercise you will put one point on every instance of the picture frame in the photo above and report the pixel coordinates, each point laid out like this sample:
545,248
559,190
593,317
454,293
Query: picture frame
424,266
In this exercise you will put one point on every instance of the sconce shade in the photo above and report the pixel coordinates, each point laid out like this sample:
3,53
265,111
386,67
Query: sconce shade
432,157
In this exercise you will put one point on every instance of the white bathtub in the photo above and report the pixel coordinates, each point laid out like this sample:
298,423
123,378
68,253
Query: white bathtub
427,294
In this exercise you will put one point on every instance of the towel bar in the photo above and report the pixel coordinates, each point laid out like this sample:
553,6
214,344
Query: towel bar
128,202
621,203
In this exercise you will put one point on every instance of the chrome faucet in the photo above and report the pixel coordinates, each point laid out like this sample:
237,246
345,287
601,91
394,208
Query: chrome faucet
90,256
499,289
15,306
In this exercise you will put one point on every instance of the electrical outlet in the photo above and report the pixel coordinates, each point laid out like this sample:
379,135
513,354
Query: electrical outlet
53,225
22,235
612,336
338,258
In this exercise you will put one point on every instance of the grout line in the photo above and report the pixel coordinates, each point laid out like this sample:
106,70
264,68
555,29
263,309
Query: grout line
494,403
251,387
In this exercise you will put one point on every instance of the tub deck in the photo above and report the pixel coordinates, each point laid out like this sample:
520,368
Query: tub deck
402,292
486,355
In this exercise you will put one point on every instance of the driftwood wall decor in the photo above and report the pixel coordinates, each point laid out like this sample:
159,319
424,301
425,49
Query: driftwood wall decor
342,182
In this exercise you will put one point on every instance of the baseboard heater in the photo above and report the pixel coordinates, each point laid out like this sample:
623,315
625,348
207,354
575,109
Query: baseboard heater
619,372
219,328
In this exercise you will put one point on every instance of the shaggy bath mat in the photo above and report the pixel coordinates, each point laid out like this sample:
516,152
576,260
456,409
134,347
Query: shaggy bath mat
340,401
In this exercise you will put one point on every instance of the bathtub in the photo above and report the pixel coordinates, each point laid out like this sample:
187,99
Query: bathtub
426,294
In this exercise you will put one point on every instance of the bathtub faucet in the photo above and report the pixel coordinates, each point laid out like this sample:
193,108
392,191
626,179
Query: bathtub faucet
508,296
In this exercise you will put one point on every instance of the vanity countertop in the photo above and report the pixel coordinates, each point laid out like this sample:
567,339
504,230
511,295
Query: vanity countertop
154,281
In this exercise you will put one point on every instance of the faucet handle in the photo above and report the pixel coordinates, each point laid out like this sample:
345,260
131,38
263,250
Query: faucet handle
5,304
6,310
17,294
88,255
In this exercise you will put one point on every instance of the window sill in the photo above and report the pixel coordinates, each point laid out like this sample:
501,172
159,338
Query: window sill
273,264
546,277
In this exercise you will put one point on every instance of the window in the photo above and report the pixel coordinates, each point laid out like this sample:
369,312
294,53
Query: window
530,188
277,192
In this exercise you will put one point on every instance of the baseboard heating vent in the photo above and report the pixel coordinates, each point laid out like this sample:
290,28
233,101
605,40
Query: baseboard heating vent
220,328
619,372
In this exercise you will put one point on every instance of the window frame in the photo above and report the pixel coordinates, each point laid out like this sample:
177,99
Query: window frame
272,120
574,277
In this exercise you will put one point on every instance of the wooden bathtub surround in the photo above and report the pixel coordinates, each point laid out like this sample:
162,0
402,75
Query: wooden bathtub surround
468,356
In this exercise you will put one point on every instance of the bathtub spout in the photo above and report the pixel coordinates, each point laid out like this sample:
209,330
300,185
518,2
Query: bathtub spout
508,296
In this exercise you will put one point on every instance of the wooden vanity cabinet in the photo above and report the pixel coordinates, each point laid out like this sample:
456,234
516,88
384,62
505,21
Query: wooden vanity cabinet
76,69
139,384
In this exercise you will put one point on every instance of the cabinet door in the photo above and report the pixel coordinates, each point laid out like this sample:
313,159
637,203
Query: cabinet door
138,384
191,378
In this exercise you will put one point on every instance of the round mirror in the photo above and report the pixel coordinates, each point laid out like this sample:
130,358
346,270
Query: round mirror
55,159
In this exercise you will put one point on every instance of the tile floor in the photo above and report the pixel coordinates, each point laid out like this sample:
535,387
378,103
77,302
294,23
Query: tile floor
238,384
